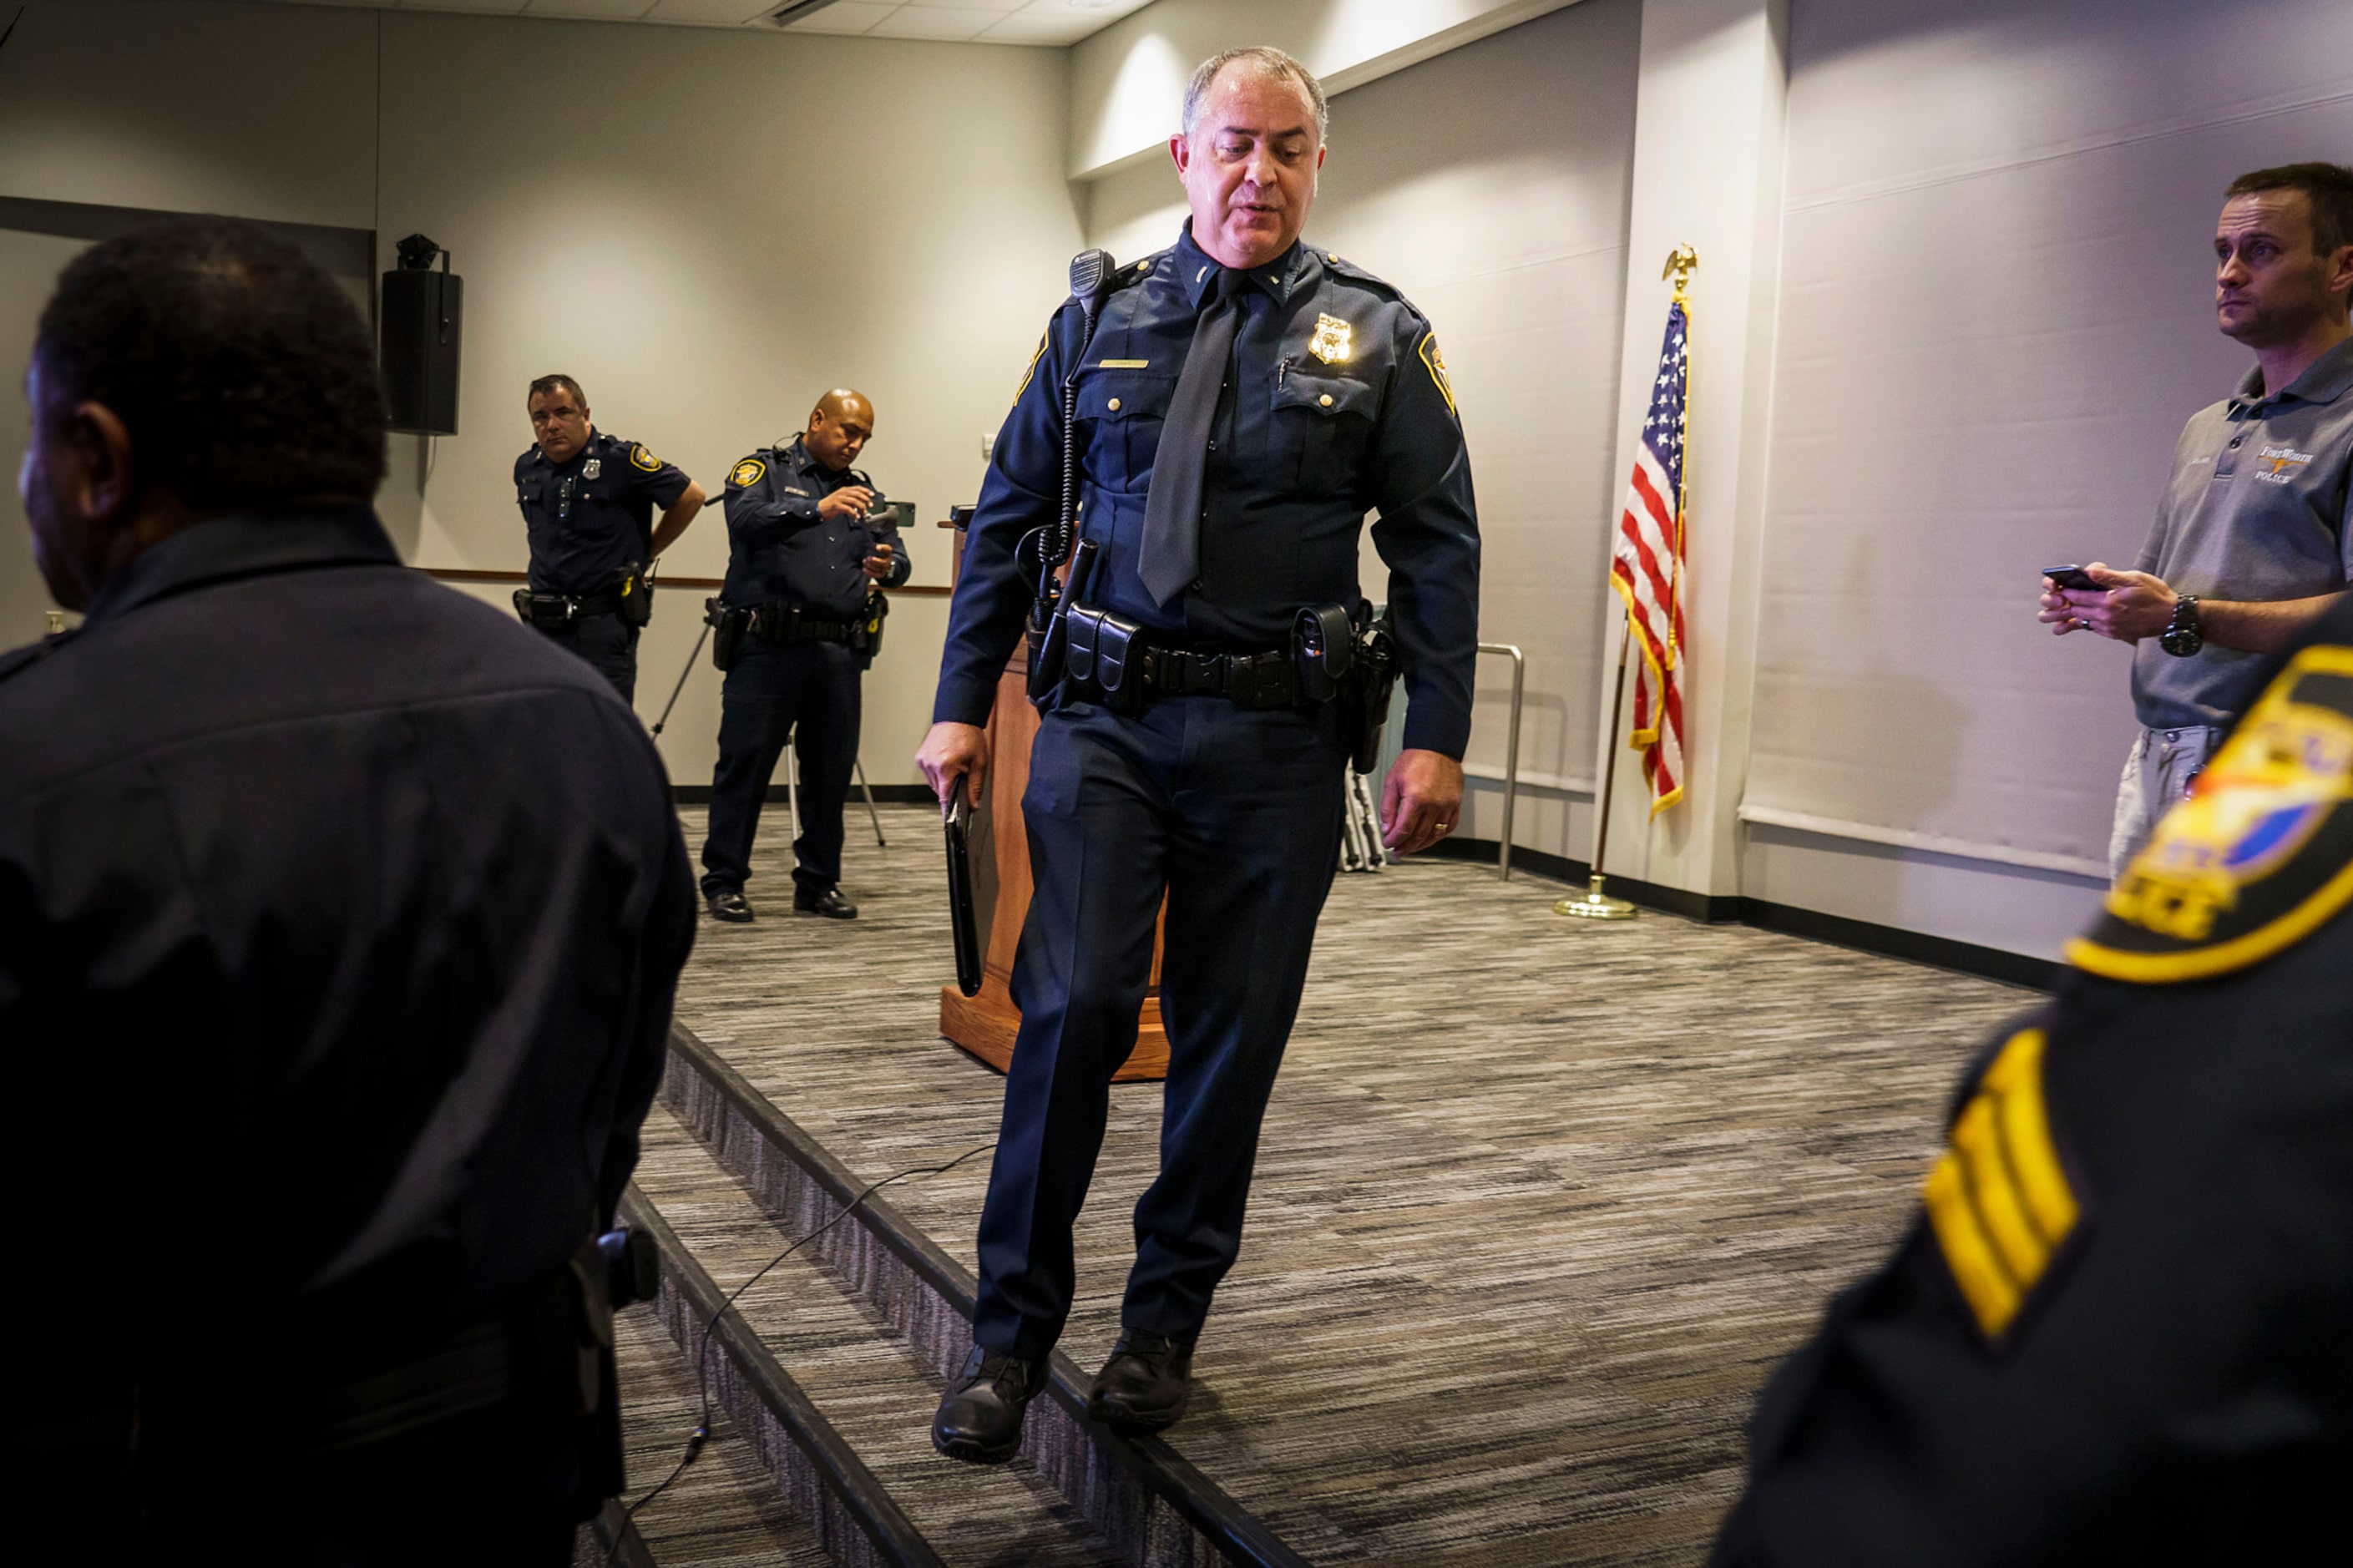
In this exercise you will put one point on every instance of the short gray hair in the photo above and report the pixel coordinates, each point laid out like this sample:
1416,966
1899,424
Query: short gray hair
1267,61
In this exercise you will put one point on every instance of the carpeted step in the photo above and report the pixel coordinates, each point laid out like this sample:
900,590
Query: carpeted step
724,1510
1154,1507
855,1368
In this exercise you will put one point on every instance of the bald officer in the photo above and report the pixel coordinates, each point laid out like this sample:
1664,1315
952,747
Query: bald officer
1243,402
588,501
804,560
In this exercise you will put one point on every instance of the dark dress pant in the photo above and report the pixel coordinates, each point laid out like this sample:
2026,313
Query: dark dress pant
810,691
1236,815
609,646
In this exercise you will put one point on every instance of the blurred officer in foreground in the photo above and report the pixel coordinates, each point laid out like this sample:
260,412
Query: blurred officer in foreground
2118,1332
588,500
1244,401
804,611
334,988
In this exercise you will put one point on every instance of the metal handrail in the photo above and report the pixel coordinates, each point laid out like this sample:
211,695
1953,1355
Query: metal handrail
1510,749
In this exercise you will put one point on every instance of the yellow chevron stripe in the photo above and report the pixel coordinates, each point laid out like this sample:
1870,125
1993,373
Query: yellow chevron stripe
1990,1292
1997,1200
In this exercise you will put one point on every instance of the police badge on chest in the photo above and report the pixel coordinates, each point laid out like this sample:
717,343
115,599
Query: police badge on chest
589,470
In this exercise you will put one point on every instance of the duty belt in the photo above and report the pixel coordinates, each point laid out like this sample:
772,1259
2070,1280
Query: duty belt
1263,679
563,609
782,623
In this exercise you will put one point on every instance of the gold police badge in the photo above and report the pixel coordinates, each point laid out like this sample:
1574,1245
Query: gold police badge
1330,343
2259,855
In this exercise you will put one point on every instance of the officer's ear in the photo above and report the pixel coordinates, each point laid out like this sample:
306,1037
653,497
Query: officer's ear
94,446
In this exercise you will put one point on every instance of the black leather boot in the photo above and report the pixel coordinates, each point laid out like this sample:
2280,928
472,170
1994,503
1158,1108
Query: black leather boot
979,1419
1142,1387
829,904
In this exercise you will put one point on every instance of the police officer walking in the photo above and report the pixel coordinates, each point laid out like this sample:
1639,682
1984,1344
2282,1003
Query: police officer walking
1241,404
313,913
803,608
588,500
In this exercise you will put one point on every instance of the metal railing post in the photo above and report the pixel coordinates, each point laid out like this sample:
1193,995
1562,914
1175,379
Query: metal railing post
1510,749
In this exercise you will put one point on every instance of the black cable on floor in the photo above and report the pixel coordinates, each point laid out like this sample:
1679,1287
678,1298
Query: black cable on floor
701,1436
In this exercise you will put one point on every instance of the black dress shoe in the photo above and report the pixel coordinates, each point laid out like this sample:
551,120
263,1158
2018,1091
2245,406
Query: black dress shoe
1143,1387
829,903
730,906
979,1419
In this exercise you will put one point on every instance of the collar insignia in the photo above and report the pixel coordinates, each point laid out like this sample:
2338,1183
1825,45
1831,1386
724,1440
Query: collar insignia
1330,343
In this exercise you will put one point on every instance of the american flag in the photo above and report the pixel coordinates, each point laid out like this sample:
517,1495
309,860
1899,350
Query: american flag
1647,569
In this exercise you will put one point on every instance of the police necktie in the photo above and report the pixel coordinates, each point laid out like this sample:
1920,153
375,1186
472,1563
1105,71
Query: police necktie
1171,556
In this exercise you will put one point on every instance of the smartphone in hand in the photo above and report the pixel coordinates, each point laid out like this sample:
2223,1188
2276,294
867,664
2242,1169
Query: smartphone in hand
2075,579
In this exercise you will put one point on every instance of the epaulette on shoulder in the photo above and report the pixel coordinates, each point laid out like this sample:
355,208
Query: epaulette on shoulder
1344,268
2260,855
15,661
1136,271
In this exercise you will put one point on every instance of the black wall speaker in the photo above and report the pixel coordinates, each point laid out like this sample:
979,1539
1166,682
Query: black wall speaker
420,328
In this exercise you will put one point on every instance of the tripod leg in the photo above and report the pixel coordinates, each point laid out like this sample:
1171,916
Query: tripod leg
871,815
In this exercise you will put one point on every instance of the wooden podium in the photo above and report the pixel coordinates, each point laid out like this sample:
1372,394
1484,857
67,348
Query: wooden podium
985,1025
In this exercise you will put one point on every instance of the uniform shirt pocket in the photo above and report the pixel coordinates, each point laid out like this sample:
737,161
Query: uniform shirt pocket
1120,414
1322,424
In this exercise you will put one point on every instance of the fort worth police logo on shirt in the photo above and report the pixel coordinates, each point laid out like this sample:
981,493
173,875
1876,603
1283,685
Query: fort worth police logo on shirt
2261,852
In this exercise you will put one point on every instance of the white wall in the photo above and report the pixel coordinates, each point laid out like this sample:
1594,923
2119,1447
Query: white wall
1490,185
1128,80
707,227
1997,312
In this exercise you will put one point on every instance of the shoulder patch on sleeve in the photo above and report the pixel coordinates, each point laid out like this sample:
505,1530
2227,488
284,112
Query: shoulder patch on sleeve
1034,355
747,473
1997,1199
2259,856
641,458
1436,367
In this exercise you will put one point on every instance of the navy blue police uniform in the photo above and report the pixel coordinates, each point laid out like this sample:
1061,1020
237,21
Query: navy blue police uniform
797,671
2116,1332
305,891
591,522
1335,403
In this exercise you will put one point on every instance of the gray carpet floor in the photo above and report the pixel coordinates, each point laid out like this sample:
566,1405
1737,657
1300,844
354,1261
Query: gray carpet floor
1538,1207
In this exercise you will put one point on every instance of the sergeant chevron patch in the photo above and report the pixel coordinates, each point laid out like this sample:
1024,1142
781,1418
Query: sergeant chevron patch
2258,857
1997,1199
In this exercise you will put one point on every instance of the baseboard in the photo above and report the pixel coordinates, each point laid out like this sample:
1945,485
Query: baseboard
884,795
1891,941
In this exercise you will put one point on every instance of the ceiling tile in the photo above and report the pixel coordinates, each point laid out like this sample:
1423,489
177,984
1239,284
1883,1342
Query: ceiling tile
929,22
504,7
713,11
846,16
998,6
593,10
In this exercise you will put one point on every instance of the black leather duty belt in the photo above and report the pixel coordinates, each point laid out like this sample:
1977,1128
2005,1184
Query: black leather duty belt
1265,680
563,609
787,624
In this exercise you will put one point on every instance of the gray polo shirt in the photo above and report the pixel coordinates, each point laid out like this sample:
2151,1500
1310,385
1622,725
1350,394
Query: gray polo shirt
2258,509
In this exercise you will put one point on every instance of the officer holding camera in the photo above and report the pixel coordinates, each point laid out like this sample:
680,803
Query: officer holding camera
798,621
1238,404
588,500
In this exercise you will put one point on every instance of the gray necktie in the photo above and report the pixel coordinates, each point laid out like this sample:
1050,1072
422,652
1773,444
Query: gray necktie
1171,557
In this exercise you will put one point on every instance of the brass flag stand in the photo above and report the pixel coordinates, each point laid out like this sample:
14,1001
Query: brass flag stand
1593,904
